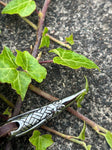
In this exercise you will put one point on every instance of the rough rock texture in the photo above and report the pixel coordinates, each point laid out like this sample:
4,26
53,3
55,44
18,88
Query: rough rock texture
90,21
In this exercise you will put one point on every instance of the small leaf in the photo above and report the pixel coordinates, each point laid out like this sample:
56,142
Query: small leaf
108,137
82,134
80,98
71,59
70,39
31,66
87,85
9,73
7,112
21,7
45,39
88,147
41,142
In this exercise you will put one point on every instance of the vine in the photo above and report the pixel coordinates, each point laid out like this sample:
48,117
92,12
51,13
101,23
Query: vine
31,68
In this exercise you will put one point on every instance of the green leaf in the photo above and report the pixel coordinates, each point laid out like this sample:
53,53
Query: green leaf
31,66
70,39
80,98
45,39
41,142
21,83
21,7
71,59
8,67
82,134
108,137
9,73
88,147
7,112
87,85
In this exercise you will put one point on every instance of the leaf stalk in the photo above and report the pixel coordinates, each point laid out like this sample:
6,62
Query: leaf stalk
6,101
70,138
59,42
40,28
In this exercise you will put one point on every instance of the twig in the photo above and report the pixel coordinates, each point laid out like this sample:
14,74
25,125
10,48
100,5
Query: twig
42,93
3,117
68,137
91,123
51,37
46,61
59,42
4,4
40,28
30,23
17,107
6,100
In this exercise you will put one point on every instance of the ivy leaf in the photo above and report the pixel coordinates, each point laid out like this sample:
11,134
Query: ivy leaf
80,98
72,59
8,67
8,112
82,134
88,147
41,142
21,7
9,73
70,39
31,66
45,39
108,137
21,83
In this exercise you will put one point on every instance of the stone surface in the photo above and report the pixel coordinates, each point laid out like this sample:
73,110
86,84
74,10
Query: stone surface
90,21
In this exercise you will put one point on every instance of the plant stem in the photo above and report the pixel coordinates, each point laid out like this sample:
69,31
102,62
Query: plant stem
40,28
68,137
37,11
29,22
3,117
4,4
46,61
59,42
17,106
42,93
51,37
6,100
91,123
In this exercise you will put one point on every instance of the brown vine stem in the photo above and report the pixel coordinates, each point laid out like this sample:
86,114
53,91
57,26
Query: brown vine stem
91,123
17,106
40,27
59,42
51,37
68,137
46,61
2,3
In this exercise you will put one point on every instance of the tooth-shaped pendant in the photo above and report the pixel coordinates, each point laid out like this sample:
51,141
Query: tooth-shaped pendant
37,117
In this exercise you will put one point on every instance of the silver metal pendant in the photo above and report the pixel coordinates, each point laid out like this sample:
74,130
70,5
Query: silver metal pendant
37,117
